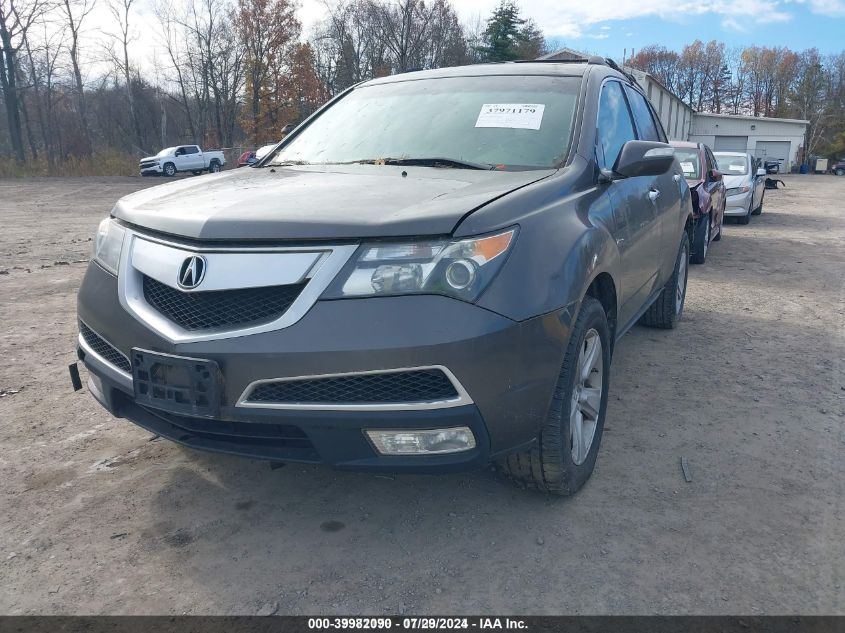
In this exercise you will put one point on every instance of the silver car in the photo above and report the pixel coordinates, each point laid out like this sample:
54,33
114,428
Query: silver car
745,184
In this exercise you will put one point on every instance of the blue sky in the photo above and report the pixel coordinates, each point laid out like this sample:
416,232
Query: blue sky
802,30
608,26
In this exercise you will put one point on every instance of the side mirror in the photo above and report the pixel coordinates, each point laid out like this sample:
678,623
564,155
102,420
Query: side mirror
644,158
761,172
715,175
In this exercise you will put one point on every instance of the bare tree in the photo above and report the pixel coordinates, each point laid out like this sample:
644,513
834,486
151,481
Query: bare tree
16,17
75,13
121,11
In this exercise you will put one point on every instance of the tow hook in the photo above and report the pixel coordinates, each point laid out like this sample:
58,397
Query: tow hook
75,380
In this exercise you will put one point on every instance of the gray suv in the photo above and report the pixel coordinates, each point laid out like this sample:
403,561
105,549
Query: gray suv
427,275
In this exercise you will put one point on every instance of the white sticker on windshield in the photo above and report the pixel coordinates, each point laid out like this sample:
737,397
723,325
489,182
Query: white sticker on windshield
523,116
687,168
736,167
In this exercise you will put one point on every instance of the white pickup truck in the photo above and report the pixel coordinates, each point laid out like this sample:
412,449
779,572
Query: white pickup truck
172,160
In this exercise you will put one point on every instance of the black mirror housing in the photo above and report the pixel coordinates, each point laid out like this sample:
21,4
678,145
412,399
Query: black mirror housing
644,158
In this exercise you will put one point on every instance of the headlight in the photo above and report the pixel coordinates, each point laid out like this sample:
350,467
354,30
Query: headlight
458,268
738,190
107,244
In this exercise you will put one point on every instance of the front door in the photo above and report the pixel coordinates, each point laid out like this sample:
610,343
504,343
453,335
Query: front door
633,201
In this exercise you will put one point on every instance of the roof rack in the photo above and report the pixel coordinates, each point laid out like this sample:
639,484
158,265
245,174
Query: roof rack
540,60
595,60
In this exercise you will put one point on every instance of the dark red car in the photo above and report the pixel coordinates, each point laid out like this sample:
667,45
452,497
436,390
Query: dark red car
247,158
708,195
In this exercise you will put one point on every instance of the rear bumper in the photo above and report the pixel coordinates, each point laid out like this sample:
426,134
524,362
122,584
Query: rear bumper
507,368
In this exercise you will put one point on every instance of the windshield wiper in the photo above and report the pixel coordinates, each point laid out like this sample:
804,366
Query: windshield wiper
424,162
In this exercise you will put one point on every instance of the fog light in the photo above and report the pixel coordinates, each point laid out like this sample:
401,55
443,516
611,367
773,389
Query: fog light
426,442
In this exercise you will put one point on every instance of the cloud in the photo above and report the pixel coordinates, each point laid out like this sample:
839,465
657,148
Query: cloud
574,19
831,8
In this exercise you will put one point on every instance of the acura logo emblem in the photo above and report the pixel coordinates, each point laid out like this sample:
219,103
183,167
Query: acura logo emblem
191,272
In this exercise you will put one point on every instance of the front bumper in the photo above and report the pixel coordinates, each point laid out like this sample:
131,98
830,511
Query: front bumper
738,204
150,170
508,369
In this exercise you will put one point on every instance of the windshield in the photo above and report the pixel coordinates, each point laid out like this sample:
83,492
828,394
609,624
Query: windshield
167,151
732,165
690,161
494,121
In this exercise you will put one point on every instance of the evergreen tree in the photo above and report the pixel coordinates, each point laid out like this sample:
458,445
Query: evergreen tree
509,37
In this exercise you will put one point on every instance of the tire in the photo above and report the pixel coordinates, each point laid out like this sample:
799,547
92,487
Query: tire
196,172
701,241
213,167
840,172
169,170
551,464
759,209
667,309
745,219
718,237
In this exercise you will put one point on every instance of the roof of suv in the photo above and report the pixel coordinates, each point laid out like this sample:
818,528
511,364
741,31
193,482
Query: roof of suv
561,68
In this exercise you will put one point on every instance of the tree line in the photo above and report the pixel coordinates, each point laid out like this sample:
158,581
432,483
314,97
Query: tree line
220,73
229,73
758,81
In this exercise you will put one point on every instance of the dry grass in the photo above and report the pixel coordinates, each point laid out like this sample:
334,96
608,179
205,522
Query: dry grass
106,163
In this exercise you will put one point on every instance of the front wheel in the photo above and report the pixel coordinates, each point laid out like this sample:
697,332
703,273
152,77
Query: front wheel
170,170
745,219
718,237
840,172
701,241
759,208
564,455
667,309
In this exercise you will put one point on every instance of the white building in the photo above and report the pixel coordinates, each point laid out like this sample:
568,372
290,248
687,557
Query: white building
765,138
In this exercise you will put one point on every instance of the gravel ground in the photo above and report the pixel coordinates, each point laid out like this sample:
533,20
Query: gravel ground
97,517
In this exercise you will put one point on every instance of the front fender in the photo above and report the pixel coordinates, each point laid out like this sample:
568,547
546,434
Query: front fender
564,243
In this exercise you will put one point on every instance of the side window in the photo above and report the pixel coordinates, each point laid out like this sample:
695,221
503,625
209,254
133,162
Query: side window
711,160
179,151
615,127
191,149
642,115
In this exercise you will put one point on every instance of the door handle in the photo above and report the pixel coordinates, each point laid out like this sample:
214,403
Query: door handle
653,194
677,177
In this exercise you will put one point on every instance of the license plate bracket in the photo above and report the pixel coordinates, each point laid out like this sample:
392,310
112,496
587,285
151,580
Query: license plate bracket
178,384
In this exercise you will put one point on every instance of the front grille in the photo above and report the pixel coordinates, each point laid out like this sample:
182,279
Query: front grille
420,385
103,348
220,308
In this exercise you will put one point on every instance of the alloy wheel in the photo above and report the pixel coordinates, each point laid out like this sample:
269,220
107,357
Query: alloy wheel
681,287
586,397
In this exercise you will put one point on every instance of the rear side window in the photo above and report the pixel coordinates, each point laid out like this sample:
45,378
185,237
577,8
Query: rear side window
191,149
615,127
642,115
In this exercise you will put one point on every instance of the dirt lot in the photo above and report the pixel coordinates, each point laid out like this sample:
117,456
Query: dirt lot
97,518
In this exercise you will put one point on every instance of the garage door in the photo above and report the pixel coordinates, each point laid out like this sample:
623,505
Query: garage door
730,144
772,150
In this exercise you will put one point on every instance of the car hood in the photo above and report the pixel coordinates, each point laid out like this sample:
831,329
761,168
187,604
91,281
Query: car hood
734,181
146,158
319,202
